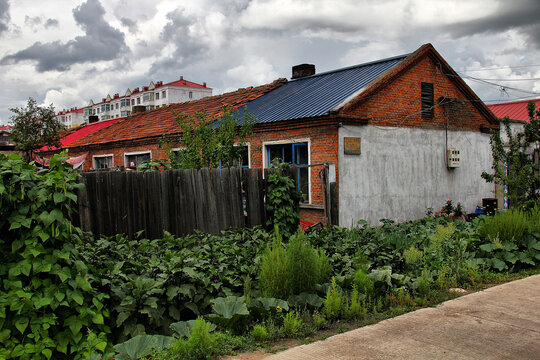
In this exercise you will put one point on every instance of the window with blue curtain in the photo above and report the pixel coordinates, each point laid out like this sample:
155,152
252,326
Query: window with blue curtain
296,154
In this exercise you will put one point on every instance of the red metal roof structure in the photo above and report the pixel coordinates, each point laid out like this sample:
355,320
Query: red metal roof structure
515,110
80,133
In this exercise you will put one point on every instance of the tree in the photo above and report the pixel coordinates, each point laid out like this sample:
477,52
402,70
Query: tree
514,165
211,143
34,127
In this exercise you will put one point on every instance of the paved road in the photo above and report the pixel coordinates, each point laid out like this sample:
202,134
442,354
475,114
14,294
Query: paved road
502,322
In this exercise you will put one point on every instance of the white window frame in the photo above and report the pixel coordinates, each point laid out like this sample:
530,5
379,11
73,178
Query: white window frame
284,142
126,154
249,152
102,156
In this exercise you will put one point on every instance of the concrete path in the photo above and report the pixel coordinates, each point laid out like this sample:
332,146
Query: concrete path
502,322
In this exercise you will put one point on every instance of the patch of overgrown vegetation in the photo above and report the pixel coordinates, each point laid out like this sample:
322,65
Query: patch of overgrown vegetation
65,294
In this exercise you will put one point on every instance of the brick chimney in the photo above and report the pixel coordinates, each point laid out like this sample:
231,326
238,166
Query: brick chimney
302,70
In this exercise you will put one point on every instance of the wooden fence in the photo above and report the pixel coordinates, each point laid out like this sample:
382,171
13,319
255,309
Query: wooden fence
178,201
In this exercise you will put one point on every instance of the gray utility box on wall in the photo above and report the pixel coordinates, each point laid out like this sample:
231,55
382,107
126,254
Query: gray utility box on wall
453,158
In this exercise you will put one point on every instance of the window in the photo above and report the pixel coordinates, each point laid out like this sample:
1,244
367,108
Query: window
138,100
164,94
242,158
135,159
132,101
148,97
117,105
103,162
191,94
107,107
149,107
157,96
296,154
103,108
427,99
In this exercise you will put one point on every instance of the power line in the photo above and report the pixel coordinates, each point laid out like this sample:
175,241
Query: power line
499,68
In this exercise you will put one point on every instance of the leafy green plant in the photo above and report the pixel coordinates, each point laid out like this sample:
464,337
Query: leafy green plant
291,324
355,308
259,333
230,312
334,301
282,198
211,142
363,283
48,302
200,342
141,345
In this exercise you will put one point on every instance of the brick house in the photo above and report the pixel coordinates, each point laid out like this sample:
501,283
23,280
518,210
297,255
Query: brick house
383,130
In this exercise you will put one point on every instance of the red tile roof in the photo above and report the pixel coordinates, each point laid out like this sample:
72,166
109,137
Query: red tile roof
183,82
80,133
515,110
163,120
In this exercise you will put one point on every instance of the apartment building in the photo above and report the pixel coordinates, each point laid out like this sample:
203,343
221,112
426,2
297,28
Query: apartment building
71,118
150,97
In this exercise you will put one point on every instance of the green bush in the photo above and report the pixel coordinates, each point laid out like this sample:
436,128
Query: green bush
291,324
363,283
259,333
508,226
273,280
333,302
48,303
294,270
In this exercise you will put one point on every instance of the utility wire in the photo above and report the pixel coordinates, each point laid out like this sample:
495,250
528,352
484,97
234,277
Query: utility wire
499,68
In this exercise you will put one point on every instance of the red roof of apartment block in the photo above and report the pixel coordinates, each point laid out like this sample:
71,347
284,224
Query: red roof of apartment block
162,121
515,110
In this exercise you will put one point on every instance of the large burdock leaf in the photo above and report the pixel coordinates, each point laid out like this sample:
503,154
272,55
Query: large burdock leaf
229,312
141,345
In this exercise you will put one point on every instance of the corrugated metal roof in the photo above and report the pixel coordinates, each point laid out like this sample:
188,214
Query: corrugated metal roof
515,110
318,94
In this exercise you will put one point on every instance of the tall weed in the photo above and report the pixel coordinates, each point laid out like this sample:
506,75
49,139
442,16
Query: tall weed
509,226
273,279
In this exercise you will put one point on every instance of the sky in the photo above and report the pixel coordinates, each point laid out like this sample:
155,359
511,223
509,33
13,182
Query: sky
66,52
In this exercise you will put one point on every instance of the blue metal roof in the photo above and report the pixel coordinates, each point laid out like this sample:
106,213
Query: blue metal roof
316,95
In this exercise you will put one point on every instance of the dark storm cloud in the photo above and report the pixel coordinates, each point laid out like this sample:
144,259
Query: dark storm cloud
51,23
130,24
521,15
4,15
100,42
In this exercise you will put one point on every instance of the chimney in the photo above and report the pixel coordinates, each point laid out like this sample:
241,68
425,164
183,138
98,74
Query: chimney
181,78
204,84
302,70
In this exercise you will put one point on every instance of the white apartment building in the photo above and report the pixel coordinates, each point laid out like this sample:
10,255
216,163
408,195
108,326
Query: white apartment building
150,97
71,118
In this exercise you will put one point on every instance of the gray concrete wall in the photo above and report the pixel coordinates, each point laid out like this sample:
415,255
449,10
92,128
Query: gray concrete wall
402,171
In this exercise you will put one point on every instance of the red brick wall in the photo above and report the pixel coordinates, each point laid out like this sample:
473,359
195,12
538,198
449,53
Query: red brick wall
398,103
